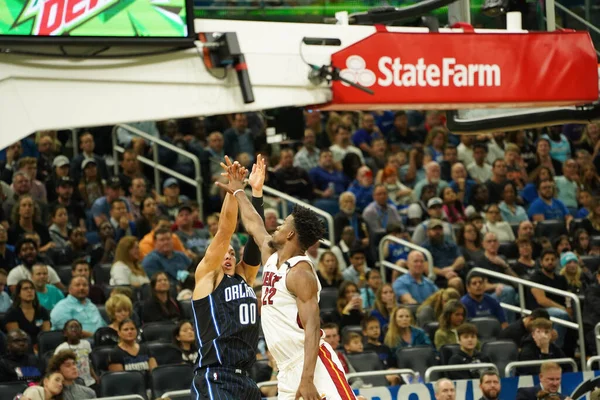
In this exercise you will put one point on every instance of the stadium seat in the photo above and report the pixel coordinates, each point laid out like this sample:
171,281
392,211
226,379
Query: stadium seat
413,309
102,274
48,341
351,328
447,351
2,343
550,228
327,316
430,329
158,331
592,262
105,336
99,357
417,358
508,250
261,371
501,352
123,383
64,273
368,361
328,299
515,228
186,309
103,313
8,390
488,328
169,378
164,353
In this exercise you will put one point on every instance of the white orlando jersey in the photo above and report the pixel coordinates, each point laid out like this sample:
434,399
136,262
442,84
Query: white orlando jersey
279,313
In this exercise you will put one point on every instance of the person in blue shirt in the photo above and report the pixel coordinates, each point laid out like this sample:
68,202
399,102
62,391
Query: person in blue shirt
362,138
546,206
414,287
164,259
402,332
448,262
480,304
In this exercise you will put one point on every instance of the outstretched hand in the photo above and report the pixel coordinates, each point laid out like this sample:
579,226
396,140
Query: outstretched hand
257,176
236,174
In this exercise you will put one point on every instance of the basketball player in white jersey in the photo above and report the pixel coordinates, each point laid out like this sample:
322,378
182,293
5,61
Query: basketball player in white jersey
308,367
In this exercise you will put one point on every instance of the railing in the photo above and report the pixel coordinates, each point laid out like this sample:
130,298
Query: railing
175,394
584,21
576,304
590,361
597,335
383,264
155,163
516,364
460,367
284,206
124,397
393,371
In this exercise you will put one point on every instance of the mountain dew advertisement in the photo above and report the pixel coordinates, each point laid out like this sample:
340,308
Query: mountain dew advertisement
94,18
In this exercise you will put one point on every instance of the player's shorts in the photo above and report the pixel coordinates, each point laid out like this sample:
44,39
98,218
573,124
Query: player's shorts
329,380
222,383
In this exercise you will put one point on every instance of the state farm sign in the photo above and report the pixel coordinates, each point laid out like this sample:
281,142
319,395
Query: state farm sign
468,68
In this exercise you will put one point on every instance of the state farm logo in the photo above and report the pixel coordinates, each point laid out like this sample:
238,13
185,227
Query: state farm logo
445,73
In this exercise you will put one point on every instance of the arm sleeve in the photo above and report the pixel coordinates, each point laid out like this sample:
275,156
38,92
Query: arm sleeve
120,274
252,252
53,276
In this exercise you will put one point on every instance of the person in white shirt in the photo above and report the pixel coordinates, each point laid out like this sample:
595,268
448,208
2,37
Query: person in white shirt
343,146
127,269
479,169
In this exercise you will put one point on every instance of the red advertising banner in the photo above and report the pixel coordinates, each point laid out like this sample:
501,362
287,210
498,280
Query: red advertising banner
465,70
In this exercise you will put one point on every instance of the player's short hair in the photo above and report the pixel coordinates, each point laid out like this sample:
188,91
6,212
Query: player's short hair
350,336
466,329
308,226
541,323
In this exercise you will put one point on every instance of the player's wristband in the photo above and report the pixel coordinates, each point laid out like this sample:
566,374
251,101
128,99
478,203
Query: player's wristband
237,191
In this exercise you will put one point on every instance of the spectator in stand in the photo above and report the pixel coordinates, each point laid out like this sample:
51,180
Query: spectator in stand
64,198
480,304
343,248
568,185
47,295
543,159
432,177
26,217
185,340
107,244
560,148
165,259
431,309
18,364
550,378
520,330
453,316
362,188
160,306
402,332
586,200
413,171
591,313
465,149
8,258
435,143
581,242
101,207
119,219
66,363
130,170
414,287
516,167
546,206
91,186
147,244
393,252
59,231
496,146
77,305
328,270
129,355
28,165
399,137
77,247
380,213
591,223
436,212
349,310
239,138
479,201
27,250
308,156
327,181
497,181
363,137
348,216
291,180
479,169
118,308
20,187
385,302
171,200
525,266
539,346
371,330
461,183
357,270
137,194
342,146
468,354
271,223
148,216
447,260
489,384
453,208
82,350
399,194
418,212
194,240
87,146
367,293
444,389
5,300
9,164
378,158
529,193
332,335
510,211
127,269
26,313
590,178
449,161
554,304
469,242
496,225
577,278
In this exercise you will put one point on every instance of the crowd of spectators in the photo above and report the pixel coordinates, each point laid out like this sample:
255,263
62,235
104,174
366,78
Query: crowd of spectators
99,254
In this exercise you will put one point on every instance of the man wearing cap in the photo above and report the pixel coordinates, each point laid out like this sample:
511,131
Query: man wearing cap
101,207
64,192
60,168
195,240
87,145
434,209
447,259
432,177
171,201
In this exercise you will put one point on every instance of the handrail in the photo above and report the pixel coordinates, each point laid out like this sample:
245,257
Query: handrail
516,364
592,360
522,282
197,182
331,242
597,335
175,393
458,367
577,17
391,238
393,371
124,397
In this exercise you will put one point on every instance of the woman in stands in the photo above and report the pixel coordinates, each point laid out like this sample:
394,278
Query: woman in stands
495,224
453,207
479,200
385,301
129,355
127,269
26,313
349,306
431,309
590,179
590,139
160,306
59,230
543,159
453,315
581,242
185,340
26,218
435,143
147,219
50,388
328,271
402,332
469,242
509,209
